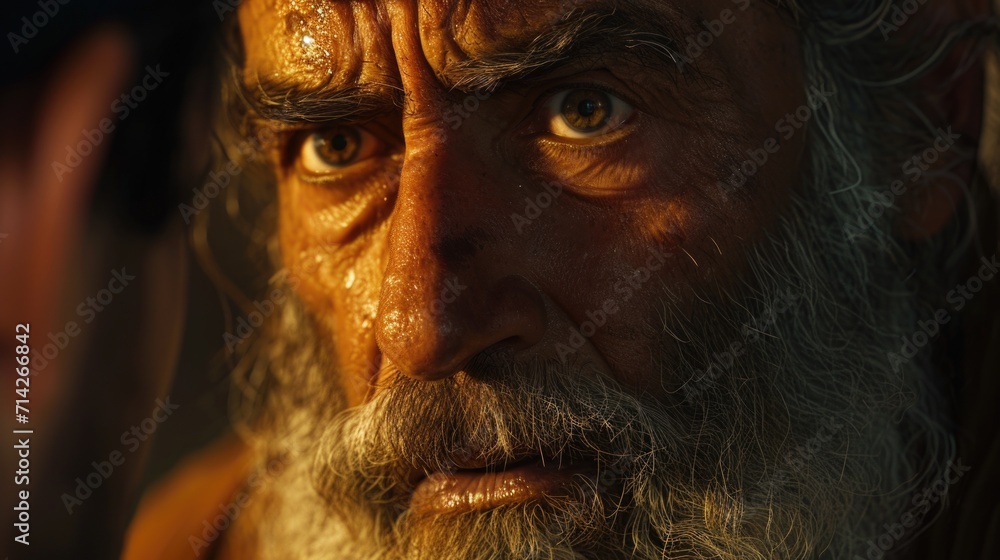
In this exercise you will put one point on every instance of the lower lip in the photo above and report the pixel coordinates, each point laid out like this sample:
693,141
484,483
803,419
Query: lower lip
467,491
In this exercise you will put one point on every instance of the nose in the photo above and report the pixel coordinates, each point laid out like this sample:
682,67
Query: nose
452,286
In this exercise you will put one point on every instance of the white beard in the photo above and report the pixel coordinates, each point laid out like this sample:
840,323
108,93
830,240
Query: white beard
807,442
802,447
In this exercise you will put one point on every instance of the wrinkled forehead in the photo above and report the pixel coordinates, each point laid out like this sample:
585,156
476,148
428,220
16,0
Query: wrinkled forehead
342,41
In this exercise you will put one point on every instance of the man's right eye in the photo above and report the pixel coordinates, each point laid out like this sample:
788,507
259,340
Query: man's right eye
584,113
335,149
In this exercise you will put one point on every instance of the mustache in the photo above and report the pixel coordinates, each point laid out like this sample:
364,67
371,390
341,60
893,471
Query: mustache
489,415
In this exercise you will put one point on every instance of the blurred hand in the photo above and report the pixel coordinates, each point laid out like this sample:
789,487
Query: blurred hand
53,254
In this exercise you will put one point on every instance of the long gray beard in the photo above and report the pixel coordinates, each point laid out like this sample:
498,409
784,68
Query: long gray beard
802,446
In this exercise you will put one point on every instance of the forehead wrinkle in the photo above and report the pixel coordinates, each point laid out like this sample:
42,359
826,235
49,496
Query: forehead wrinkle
439,23
313,43
474,44
590,35
452,31
463,42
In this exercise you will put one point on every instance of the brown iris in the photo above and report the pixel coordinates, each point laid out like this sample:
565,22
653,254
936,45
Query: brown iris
586,110
338,147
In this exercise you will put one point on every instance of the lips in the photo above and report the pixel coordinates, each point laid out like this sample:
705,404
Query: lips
485,488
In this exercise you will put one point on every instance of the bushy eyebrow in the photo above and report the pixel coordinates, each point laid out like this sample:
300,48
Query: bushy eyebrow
642,36
292,103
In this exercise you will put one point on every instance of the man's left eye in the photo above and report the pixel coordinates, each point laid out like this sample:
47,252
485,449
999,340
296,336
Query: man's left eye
586,113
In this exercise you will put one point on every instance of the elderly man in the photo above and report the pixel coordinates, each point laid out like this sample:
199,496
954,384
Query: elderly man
608,279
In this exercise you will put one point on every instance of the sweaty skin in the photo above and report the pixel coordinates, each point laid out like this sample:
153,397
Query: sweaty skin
412,259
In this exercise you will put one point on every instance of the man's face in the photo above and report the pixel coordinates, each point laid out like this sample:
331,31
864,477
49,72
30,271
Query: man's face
438,219
537,240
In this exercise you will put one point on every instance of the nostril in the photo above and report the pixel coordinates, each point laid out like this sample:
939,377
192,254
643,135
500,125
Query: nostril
512,344
501,350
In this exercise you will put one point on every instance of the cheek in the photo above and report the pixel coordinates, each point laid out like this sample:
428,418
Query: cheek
684,241
339,283
354,301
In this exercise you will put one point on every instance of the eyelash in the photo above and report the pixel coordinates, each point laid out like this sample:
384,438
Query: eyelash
554,90
598,86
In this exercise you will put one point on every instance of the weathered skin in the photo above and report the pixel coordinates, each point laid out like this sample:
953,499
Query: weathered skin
373,259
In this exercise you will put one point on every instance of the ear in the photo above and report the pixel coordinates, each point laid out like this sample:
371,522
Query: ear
956,95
